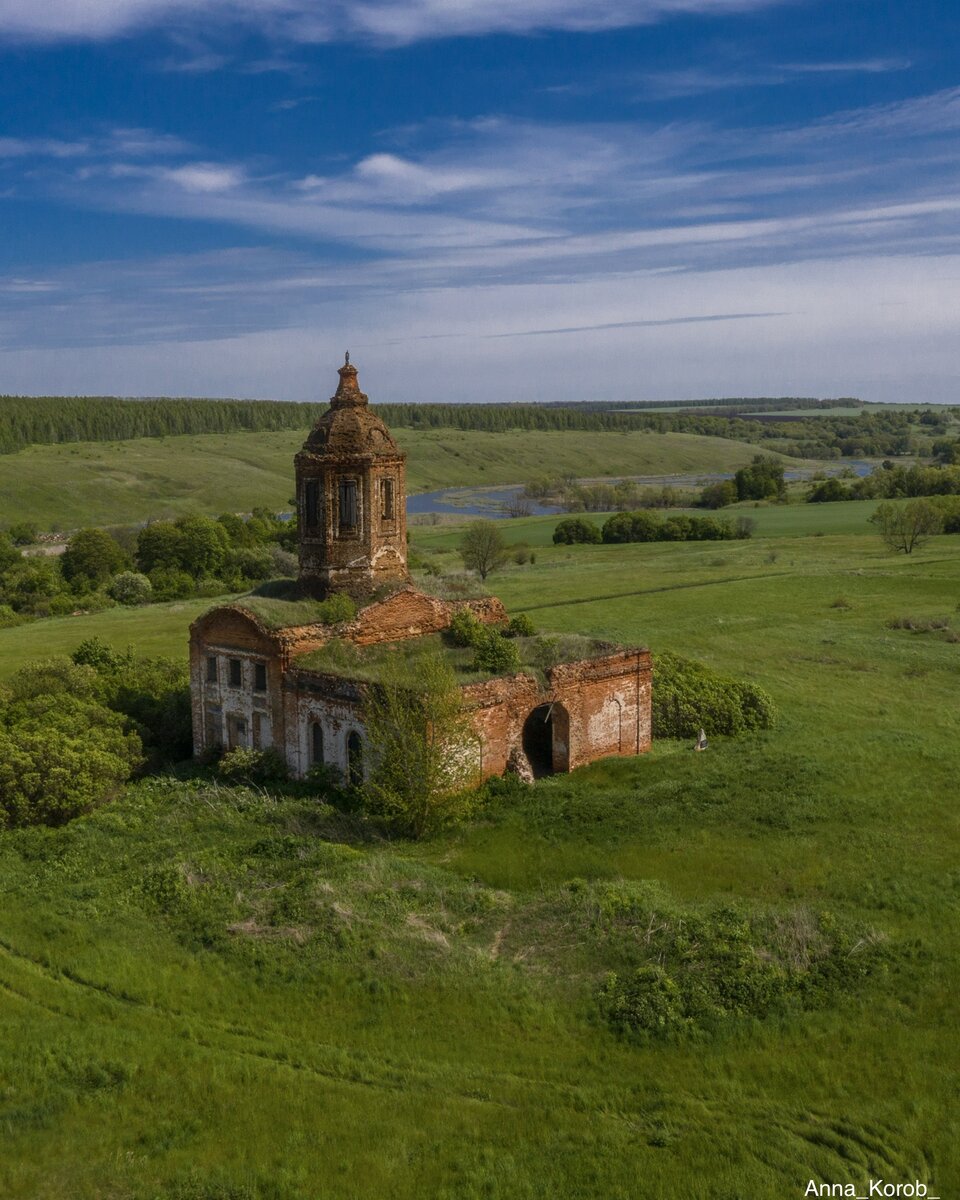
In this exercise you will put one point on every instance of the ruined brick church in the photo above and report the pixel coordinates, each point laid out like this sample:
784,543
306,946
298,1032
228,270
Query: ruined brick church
258,673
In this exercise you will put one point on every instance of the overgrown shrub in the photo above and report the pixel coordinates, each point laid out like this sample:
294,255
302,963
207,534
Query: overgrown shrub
170,583
520,626
465,628
243,765
495,653
705,966
337,608
61,752
153,694
688,696
131,588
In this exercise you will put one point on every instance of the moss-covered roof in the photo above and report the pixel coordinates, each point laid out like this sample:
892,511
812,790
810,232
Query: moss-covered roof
537,655
281,604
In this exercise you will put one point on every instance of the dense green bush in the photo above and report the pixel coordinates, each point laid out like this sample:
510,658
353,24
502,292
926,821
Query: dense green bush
170,583
92,556
9,554
576,529
23,533
829,490
243,765
131,588
61,750
688,696
495,653
719,495
520,626
465,628
153,694
337,608
703,967
647,526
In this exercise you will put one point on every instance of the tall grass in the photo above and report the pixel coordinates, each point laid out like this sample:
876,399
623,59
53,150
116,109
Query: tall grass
211,993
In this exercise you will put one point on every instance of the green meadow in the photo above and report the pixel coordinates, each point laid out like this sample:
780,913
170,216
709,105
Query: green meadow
213,994
70,485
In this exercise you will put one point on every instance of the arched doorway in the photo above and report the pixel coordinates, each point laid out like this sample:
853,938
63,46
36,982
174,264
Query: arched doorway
354,759
545,740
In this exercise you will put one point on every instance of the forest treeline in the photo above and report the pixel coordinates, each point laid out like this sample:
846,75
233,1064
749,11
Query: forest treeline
26,421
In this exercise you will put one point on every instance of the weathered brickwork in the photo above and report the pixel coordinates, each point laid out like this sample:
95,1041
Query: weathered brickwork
250,688
351,489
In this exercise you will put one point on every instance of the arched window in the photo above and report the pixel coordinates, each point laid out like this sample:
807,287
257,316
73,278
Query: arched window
316,744
311,503
354,759
349,516
387,512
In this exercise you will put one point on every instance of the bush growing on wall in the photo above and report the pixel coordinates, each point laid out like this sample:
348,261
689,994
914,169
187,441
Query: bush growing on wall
495,653
688,697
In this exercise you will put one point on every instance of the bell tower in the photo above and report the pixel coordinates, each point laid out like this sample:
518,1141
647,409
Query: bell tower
351,497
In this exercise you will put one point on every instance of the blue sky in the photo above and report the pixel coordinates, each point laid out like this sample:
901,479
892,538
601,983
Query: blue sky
481,199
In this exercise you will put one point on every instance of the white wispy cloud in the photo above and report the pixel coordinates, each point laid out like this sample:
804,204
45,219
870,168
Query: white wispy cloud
830,327
394,21
494,231
862,66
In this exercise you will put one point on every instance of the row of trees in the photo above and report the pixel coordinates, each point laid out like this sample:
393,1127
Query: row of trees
28,421
166,560
645,526
890,482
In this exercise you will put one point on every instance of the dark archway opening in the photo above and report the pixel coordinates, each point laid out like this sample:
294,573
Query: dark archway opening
538,740
354,759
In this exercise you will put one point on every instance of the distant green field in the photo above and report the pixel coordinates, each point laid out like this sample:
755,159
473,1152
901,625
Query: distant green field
155,629
772,521
212,996
113,483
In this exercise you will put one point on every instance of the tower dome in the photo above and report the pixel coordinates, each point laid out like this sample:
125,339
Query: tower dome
351,497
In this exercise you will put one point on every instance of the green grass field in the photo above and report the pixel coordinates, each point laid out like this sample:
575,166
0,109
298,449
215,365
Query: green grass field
213,996
114,483
771,520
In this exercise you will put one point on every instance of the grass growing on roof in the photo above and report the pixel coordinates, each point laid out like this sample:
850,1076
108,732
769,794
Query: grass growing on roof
537,654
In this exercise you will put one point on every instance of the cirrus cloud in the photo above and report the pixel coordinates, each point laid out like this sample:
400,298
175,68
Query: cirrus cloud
390,21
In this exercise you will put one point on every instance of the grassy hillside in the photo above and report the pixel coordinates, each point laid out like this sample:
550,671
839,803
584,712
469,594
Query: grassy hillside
104,483
210,994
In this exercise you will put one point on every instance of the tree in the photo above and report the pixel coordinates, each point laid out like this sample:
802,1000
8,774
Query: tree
203,545
904,527
761,480
482,548
572,530
158,545
419,745
92,556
